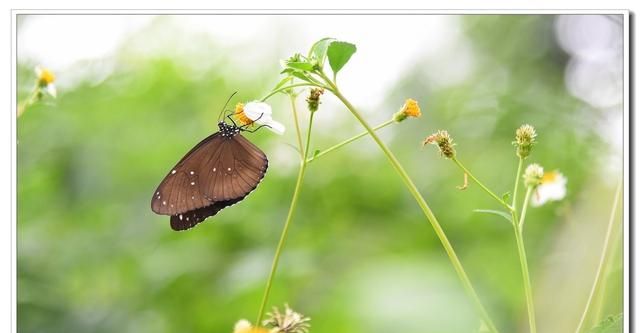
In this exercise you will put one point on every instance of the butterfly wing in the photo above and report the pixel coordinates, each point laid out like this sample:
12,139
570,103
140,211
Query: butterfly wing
179,191
191,218
234,172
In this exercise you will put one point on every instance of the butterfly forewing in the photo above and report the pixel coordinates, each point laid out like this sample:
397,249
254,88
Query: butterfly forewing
237,170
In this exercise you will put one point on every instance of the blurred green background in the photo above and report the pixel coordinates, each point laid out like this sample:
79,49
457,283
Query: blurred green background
360,257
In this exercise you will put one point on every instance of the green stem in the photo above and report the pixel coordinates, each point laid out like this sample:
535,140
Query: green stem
522,254
486,189
514,201
296,123
287,223
603,256
290,87
347,141
423,205
30,101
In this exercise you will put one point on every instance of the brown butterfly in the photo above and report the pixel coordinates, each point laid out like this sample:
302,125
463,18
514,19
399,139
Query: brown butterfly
218,172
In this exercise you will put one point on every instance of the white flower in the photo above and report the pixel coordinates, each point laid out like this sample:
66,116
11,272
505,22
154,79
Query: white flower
553,187
260,113
46,79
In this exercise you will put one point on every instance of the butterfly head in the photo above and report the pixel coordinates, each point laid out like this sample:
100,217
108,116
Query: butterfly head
228,131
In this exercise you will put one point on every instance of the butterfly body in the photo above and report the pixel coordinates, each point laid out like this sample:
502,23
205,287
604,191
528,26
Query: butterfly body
218,172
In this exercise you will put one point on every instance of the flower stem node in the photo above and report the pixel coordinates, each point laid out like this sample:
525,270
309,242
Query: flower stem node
533,175
444,142
287,322
525,139
409,109
313,101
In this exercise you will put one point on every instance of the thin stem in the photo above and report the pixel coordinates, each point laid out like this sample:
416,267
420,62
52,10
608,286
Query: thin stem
287,223
514,201
347,141
296,123
423,205
486,189
522,254
30,101
603,256
292,86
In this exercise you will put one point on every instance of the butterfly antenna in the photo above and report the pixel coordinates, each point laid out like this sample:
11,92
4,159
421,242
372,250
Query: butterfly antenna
225,105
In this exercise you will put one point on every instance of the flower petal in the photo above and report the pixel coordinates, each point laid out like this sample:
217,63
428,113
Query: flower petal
275,127
51,89
257,110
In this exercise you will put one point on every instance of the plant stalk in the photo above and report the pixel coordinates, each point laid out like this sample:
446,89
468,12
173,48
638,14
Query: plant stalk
522,254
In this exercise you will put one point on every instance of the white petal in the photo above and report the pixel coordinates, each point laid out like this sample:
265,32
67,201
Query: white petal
242,325
275,127
51,89
255,110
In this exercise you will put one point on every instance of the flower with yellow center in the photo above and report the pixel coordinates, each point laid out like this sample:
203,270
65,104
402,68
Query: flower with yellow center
46,79
244,326
258,113
409,109
553,187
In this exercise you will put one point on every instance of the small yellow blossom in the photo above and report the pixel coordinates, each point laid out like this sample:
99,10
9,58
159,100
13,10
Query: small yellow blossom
553,187
409,109
45,76
244,326
45,81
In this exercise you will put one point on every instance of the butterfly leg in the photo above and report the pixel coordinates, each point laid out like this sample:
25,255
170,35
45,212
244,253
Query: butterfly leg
255,129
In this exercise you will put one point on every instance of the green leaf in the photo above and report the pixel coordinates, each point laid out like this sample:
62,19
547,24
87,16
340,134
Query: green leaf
611,324
282,82
301,76
319,49
303,66
316,152
494,212
339,54
505,196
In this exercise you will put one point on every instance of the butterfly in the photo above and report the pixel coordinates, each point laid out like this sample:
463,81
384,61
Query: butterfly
218,172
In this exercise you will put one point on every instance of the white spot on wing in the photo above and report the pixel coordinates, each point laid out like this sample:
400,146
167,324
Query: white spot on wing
228,169
173,171
191,172
214,169
180,217
164,203
193,183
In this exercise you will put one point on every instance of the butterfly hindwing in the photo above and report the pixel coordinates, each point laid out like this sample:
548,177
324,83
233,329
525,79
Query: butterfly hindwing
189,219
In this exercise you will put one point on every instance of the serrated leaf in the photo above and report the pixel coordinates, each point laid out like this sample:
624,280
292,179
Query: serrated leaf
611,324
303,66
319,49
339,54
494,212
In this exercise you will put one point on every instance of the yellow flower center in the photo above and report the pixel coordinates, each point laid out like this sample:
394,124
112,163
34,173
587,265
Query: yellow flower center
46,76
549,177
411,108
241,116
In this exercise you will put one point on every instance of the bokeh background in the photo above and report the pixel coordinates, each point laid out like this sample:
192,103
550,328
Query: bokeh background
136,92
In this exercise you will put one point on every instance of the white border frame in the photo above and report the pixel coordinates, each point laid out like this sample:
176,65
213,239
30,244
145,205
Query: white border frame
626,100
